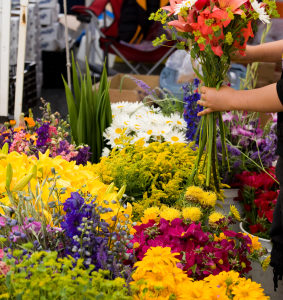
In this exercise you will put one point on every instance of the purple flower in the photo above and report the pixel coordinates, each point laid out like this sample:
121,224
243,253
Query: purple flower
43,134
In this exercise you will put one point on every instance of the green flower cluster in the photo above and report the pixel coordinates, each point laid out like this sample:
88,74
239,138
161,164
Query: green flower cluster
45,276
154,175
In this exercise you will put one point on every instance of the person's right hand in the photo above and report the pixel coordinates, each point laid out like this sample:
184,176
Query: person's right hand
216,100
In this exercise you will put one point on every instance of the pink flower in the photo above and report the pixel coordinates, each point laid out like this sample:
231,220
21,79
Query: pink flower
4,268
1,254
2,222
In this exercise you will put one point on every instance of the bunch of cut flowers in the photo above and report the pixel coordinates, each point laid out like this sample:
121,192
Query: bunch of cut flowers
258,194
213,31
50,132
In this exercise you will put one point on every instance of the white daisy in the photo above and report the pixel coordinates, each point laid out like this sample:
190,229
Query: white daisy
262,15
186,4
175,137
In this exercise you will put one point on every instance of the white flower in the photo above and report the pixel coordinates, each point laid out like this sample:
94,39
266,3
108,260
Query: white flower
186,4
262,15
175,137
105,152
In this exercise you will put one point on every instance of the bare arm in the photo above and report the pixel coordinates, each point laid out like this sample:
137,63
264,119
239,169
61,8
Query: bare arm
268,52
263,99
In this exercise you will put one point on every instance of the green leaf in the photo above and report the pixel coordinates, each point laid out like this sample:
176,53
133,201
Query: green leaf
76,85
198,74
73,113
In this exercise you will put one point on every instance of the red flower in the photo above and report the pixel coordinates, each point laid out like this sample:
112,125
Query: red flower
200,4
254,228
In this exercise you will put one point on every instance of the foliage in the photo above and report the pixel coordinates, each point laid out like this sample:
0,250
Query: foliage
158,277
50,132
154,174
45,276
89,109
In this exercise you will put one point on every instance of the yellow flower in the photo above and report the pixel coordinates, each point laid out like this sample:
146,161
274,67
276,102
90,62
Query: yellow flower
72,178
170,214
214,218
210,199
194,193
197,194
255,245
192,213
159,275
248,289
235,213
151,213
265,263
221,237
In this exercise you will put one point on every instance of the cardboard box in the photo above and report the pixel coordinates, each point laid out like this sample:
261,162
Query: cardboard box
267,74
130,91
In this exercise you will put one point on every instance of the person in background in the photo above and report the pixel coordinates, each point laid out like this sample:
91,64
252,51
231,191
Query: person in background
265,99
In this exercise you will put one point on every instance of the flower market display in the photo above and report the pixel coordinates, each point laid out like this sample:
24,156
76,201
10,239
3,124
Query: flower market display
213,31
128,227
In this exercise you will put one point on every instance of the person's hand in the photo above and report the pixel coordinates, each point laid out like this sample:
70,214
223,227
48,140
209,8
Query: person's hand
216,100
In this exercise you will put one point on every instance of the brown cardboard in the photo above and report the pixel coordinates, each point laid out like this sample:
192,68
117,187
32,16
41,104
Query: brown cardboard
130,91
267,74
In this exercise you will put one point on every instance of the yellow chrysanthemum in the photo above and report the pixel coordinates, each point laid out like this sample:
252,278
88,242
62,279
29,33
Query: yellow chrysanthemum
235,213
194,193
197,194
151,213
214,218
160,276
192,213
255,245
170,214
248,289
209,199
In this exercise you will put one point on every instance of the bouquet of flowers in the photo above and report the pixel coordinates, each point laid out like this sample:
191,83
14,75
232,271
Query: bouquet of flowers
258,194
213,31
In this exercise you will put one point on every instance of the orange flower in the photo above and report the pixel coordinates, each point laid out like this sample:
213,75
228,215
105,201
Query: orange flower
12,122
30,122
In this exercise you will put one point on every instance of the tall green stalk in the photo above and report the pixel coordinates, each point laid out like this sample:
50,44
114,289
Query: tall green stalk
89,109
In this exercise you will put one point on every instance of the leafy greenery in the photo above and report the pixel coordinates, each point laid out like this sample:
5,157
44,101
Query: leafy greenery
154,175
89,109
45,276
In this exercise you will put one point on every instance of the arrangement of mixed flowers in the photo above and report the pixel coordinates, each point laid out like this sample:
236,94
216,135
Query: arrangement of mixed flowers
64,236
50,132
